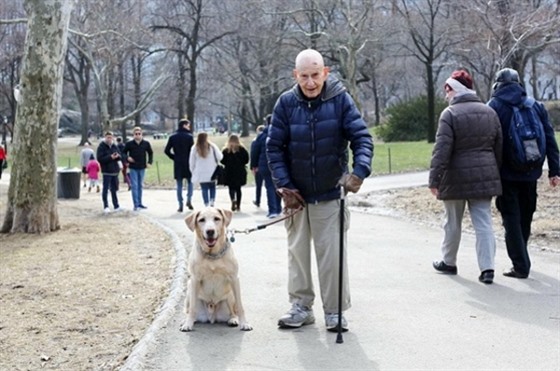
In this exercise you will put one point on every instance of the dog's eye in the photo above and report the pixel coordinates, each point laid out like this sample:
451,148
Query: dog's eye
201,220
217,219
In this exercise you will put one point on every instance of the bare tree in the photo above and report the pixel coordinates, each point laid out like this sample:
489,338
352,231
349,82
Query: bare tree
32,192
252,63
430,36
12,37
193,31
508,34
78,73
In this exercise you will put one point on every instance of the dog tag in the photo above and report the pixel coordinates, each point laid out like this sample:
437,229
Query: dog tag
231,236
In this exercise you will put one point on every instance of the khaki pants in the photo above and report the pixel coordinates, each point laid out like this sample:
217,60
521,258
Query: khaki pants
321,223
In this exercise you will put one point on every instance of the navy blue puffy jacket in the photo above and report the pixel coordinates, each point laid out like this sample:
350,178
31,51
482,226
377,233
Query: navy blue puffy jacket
307,144
503,99
258,153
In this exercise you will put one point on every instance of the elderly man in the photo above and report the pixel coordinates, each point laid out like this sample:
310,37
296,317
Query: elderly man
307,149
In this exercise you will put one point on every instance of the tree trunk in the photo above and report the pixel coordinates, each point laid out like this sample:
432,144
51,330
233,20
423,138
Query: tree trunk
431,103
181,83
191,96
32,193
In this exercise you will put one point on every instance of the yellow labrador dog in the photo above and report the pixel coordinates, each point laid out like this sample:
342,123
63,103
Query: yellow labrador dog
213,293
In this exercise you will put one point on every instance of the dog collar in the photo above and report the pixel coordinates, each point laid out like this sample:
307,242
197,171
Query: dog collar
215,256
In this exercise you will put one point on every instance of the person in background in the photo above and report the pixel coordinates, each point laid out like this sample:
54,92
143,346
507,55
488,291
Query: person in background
518,201
259,164
235,159
109,156
254,169
86,153
313,125
178,149
203,159
3,158
93,168
468,141
139,155
124,163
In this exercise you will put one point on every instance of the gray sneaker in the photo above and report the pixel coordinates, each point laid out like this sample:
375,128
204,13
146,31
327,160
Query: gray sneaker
331,321
296,317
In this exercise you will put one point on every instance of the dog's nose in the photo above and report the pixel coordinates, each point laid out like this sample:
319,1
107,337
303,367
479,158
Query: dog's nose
210,232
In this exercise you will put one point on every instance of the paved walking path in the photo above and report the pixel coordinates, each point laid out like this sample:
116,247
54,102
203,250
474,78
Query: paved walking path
404,314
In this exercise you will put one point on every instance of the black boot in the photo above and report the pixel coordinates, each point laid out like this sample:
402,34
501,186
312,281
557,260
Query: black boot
189,205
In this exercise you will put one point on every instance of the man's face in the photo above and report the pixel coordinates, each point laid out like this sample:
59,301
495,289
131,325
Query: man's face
137,136
311,78
109,139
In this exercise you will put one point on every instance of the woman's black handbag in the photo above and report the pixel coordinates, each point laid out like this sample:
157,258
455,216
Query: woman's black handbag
219,174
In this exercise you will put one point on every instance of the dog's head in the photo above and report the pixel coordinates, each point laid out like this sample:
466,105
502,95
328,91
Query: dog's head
209,225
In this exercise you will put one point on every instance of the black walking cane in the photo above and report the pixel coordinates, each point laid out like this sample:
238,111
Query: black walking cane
339,339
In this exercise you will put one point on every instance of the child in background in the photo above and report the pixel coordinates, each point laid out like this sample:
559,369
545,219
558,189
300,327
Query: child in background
93,168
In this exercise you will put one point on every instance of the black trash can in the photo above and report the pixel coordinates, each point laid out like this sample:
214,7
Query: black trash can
68,182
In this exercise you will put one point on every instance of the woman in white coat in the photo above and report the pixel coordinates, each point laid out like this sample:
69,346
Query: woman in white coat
204,158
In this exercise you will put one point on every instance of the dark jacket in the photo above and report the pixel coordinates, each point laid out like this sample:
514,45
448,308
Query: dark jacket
235,166
258,153
468,151
120,146
138,152
109,166
178,149
307,144
503,99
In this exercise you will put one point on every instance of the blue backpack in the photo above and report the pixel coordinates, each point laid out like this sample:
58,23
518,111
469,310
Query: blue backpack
527,138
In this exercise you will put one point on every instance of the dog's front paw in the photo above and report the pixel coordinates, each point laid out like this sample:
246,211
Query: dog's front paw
233,322
186,326
246,327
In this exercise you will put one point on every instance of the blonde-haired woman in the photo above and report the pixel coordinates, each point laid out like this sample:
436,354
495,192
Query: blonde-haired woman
235,160
203,160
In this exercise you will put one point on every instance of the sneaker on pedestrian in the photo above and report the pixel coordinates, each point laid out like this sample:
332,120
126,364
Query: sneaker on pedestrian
487,276
297,316
331,321
189,205
118,208
142,207
257,204
272,216
106,210
444,268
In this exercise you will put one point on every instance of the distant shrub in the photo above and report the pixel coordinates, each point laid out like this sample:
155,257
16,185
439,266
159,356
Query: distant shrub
408,121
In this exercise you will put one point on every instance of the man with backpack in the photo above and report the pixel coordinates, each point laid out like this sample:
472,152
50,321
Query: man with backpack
528,137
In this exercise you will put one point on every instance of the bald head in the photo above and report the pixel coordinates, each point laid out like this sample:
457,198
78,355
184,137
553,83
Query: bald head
309,57
310,72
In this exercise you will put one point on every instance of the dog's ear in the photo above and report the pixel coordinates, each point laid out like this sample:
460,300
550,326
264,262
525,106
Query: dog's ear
190,220
227,214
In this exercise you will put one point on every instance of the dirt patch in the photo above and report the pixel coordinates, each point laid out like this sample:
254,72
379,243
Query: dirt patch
418,205
80,298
